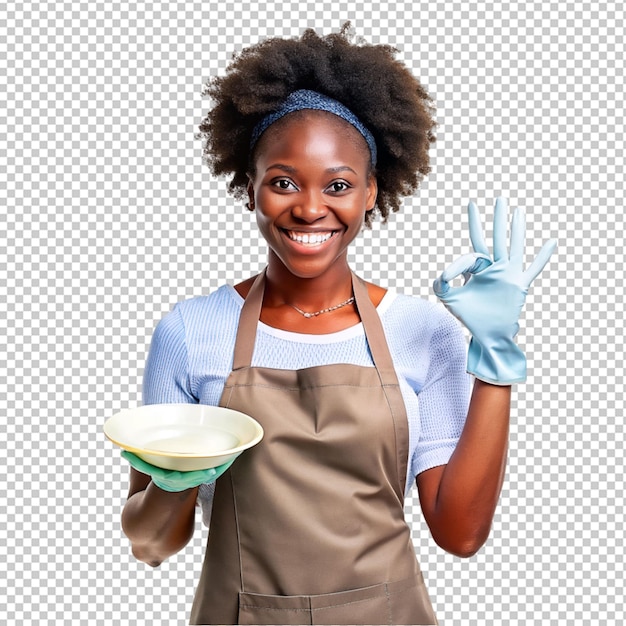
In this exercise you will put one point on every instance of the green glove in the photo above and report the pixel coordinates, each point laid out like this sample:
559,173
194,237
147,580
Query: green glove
172,480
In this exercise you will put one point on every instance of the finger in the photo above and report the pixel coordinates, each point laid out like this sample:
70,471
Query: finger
440,287
476,230
467,264
518,236
540,262
499,229
138,463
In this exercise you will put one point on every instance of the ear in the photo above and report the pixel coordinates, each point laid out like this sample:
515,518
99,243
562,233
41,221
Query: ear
250,191
372,191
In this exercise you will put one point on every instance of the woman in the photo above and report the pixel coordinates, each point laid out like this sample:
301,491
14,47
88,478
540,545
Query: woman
360,391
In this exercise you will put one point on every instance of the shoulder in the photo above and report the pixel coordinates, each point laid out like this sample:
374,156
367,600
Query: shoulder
415,312
415,325
425,341
201,313
223,298
376,293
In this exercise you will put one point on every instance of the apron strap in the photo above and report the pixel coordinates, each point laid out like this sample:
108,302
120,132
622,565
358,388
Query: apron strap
248,321
374,333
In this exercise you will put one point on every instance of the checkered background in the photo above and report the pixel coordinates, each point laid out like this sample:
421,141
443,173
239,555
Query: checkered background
108,217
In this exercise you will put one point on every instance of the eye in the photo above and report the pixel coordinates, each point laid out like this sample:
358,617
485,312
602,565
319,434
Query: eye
338,186
284,184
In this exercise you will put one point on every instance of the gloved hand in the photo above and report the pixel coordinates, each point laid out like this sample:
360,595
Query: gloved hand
490,302
172,480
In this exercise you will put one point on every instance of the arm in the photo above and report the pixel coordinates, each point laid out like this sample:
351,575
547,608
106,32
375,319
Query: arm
459,499
157,522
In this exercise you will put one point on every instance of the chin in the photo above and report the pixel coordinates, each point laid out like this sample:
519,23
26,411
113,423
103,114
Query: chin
311,268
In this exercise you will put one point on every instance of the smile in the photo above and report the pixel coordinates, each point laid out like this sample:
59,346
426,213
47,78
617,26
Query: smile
309,239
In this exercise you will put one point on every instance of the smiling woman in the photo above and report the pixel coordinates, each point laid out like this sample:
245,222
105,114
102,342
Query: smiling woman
311,189
360,392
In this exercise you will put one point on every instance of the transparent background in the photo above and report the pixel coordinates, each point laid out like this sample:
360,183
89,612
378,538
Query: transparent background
108,217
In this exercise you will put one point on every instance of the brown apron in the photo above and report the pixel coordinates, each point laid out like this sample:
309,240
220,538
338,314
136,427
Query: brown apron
308,527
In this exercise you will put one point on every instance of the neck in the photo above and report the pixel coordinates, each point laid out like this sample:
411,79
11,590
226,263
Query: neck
310,293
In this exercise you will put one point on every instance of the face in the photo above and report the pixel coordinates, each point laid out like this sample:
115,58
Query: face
311,188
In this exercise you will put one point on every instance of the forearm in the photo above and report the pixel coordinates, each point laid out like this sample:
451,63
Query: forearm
459,499
159,523
461,507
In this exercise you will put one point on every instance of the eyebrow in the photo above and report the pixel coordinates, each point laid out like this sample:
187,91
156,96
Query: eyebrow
293,170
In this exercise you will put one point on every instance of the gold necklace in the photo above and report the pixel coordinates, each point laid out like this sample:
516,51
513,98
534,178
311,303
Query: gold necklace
328,310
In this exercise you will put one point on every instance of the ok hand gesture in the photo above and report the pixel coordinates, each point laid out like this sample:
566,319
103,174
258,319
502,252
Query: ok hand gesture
491,300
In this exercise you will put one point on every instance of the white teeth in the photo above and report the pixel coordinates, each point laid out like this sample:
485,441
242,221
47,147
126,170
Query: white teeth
309,239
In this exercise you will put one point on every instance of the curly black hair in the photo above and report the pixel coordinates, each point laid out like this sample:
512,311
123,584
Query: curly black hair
366,78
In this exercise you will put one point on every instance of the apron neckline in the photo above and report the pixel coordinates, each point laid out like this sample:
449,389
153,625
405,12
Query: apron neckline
324,338
370,321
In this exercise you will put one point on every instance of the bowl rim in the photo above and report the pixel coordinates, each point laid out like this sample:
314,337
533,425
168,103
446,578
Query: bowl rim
187,455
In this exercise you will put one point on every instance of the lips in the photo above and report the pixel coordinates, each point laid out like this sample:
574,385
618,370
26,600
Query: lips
309,238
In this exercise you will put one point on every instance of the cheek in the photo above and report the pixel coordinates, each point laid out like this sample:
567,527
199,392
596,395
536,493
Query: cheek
359,222
270,205
265,218
261,219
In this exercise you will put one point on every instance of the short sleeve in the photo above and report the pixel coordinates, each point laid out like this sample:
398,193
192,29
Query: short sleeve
166,375
444,397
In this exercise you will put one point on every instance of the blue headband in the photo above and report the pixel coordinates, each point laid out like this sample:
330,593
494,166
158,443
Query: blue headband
306,99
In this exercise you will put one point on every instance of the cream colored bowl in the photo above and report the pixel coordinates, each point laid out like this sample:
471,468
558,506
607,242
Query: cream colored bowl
183,437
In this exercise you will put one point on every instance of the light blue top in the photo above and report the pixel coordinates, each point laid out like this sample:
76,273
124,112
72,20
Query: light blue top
192,347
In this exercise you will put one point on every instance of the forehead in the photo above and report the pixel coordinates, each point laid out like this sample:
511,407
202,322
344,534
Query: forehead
302,128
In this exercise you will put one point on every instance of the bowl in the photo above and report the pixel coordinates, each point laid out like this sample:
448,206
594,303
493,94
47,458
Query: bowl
183,437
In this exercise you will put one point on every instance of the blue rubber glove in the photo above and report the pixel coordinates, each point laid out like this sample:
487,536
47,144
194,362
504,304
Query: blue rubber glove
171,480
491,300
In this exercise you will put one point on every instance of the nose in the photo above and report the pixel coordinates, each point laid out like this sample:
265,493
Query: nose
310,208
